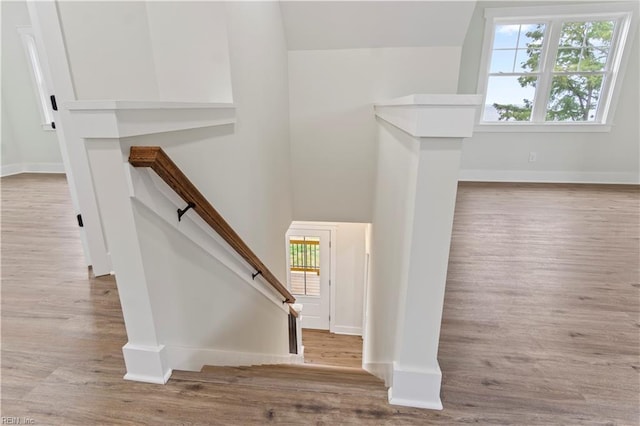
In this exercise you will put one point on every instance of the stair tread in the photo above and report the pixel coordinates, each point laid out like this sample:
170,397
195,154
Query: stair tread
340,380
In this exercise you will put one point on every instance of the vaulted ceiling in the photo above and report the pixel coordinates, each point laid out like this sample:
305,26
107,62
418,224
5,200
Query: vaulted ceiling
311,25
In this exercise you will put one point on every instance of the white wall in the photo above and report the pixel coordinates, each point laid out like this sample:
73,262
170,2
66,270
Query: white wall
350,261
190,50
10,148
171,51
398,156
579,157
333,127
109,49
25,145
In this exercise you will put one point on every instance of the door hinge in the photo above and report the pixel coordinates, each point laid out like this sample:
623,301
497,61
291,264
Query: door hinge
329,243
80,223
53,125
54,104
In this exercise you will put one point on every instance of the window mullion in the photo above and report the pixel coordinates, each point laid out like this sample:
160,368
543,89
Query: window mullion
550,51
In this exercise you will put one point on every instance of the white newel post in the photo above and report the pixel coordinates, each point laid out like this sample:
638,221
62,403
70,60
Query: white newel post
109,128
438,123
299,358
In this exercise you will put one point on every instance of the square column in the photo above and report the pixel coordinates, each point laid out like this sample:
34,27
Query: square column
438,124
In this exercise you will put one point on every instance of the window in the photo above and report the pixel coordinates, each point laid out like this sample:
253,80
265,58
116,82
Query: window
553,69
304,264
39,83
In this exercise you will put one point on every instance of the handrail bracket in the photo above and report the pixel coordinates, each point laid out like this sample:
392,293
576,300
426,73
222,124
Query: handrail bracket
181,212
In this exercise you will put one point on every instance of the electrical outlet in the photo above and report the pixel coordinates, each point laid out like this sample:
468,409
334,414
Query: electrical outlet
533,157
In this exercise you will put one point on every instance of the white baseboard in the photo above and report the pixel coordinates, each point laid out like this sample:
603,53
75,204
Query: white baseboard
297,359
382,370
11,169
193,359
146,363
345,329
17,168
419,389
542,176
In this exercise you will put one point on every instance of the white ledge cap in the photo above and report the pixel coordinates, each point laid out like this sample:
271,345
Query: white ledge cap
127,105
433,100
431,116
119,119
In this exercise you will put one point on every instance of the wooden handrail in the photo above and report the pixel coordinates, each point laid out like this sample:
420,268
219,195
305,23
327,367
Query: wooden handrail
155,158
293,311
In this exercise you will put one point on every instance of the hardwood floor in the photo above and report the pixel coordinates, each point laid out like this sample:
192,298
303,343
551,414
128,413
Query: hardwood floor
541,324
322,347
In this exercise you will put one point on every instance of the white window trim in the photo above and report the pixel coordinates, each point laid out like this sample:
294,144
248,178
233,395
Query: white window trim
41,91
627,23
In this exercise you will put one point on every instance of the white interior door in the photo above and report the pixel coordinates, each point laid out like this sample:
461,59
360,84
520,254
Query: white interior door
309,274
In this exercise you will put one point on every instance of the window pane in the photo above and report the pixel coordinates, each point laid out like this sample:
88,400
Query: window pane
531,35
520,42
304,265
573,34
568,59
502,61
506,36
589,33
593,59
599,33
574,97
584,46
528,60
509,98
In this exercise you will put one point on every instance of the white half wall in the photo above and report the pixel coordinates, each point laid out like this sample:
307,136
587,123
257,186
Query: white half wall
26,147
333,129
609,157
199,305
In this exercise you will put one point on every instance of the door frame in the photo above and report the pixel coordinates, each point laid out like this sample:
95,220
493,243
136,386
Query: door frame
333,230
47,31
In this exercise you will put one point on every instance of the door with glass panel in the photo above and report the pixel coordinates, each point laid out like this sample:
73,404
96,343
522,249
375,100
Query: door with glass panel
308,275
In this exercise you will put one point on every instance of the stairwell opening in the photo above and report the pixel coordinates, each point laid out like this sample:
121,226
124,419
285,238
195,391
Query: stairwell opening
327,272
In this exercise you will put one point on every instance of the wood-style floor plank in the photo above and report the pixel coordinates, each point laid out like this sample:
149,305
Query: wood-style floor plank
541,324
322,347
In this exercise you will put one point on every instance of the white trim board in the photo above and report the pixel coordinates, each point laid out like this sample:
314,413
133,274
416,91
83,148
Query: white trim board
548,176
346,329
17,168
